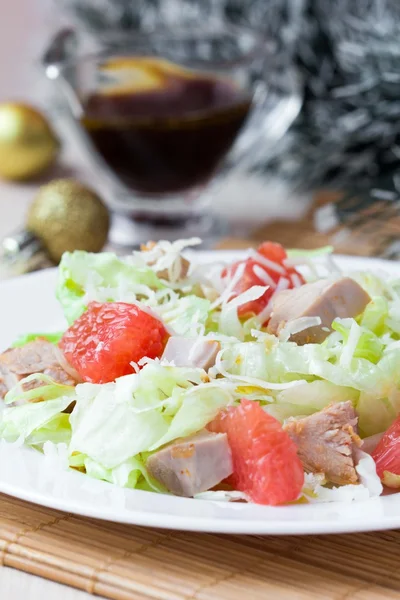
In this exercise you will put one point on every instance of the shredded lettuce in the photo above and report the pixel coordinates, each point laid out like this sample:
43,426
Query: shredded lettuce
229,322
312,376
186,316
31,423
114,427
132,473
57,431
375,315
323,251
85,277
22,340
368,345
48,391
141,412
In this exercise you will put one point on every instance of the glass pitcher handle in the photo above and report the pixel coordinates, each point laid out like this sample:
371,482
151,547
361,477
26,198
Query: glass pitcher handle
268,121
62,48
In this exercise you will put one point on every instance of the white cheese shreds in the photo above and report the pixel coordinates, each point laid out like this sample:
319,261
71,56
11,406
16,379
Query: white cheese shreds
296,281
165,255
263,275
265,314
270,264
332,266
253,293
228,291
135,366
298,325
222,496
229,321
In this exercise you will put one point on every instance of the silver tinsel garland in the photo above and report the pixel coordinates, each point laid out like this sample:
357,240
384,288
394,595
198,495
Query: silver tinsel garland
347,53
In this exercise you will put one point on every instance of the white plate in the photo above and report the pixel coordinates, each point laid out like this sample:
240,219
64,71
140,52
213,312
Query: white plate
28,304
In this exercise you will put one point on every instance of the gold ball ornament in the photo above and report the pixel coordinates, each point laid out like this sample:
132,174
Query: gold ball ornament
66,216
28,145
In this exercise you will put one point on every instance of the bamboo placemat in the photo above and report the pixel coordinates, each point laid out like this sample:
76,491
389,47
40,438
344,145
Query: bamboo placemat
134,563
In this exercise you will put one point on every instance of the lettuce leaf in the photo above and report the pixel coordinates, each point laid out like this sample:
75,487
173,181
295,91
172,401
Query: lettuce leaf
297,253
37,422
57,431
131,474
318,378
375,315
368,345
85,277
50,390
187,316
109,430
113,427
54,338
114,422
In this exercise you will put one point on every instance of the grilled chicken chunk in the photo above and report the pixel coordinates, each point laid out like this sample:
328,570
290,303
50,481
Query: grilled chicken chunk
38,356
192,465
191,352
326,440
324,298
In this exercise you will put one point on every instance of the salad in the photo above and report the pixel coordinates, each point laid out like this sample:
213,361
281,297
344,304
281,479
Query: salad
274,379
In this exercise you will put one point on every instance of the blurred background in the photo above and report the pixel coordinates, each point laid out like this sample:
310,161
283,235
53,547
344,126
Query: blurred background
329,174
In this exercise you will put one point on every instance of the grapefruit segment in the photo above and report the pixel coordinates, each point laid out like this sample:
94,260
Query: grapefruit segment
103,342
265,462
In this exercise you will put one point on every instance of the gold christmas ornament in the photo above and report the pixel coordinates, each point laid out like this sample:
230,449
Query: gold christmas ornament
66,215
28,145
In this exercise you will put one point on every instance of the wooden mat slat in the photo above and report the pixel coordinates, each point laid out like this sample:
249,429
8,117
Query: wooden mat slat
131,563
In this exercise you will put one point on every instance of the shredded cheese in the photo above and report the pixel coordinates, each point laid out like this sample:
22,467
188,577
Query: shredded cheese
265,314
298,325
273,266
296,281
263,275
227,293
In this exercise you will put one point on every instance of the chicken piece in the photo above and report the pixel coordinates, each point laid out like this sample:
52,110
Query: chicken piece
325,298
325,442
191,352
181,274
183,268
34,357
38,356
192,465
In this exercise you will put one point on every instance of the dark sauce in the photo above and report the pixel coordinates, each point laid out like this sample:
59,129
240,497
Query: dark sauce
168,135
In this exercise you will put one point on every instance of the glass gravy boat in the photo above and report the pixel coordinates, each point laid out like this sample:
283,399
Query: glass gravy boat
167,115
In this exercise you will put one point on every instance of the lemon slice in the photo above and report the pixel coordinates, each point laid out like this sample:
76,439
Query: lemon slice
138,75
